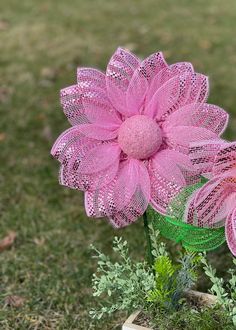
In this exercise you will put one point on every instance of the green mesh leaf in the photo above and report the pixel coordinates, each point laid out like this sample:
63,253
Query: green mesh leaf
191,237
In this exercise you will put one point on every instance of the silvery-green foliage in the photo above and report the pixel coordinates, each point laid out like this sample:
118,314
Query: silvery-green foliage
225,291
187,273
158,248
126,285
126,282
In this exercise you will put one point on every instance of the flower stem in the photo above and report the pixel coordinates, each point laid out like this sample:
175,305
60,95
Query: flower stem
148,240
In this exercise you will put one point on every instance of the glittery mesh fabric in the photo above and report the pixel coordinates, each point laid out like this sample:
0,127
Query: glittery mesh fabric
175,93
230,230
128,80
202,154
87,102
81,164
225,160
207,120
169,171
119,183
216,199
213,205
173,226
124,199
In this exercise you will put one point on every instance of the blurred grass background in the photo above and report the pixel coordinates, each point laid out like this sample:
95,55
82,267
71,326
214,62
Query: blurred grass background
42,43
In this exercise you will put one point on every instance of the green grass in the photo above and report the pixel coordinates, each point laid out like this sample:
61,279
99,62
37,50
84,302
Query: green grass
42,43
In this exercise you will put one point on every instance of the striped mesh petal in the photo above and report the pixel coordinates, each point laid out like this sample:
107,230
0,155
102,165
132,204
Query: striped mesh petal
208,116
230,231
167,73
214,201
125,199
119,73
86,164
68,142
180,137
182,89
203,153
87,102
128,80
225,160
169,172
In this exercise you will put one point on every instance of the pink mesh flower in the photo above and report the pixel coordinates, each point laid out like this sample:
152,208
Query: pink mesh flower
214,205
131,128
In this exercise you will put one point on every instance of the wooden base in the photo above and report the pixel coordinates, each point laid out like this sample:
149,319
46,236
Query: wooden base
195,297
129,325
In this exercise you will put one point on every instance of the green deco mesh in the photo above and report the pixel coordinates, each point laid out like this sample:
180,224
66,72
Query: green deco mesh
191,237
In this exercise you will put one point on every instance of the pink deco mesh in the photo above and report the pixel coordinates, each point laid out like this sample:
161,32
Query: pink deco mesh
131,128
214,204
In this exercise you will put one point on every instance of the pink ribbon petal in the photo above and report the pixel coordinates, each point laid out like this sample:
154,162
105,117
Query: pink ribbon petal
203,153
169,172
97,132
167,73
99,158
214,201
225,159
181,137
123,202
208,116
230,232
119,73
177,92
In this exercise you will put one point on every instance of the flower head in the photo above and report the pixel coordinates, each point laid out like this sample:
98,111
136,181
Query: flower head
131,128
214,204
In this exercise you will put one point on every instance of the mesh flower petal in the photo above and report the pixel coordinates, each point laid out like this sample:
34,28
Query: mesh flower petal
213,205
87,101
119,73
132,211
69,141
82,165
230,231
177,92
125,199
142,78
132,126
203,153
90,167
97,106
169,171
180,137
128,80
208,116
99,157
166,74
97,132
136,93
152,65
214,201
70,177
71,101
194,123
225,159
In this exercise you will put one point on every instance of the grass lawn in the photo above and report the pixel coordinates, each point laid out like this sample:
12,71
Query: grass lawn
42,43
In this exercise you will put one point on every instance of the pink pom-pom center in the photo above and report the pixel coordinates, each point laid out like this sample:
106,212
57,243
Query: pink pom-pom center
140,137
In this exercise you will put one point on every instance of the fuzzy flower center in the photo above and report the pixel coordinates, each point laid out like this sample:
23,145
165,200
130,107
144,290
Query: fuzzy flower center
139,137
